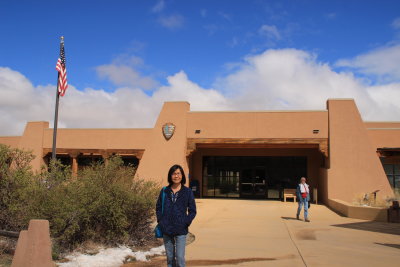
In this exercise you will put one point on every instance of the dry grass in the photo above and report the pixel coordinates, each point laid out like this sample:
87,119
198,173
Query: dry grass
7,248
369,200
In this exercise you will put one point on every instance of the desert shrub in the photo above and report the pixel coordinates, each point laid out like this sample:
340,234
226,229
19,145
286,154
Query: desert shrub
369,200
104,203
16,187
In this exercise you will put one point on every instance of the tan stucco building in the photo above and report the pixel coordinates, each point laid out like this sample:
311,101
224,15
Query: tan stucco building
243,154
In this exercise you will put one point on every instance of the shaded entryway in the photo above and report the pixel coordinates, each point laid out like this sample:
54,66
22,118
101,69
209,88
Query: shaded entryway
256,172
251,176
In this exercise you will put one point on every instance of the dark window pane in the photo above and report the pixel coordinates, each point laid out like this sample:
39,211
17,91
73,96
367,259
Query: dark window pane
251,176
390,178
397,181
397,169
388,169
130,161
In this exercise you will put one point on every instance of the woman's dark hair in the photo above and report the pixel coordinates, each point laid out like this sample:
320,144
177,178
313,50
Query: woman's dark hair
172,170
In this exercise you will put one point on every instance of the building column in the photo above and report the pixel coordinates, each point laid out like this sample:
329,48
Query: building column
74,157
105,155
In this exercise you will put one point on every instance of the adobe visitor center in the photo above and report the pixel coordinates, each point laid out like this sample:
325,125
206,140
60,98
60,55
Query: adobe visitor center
242,154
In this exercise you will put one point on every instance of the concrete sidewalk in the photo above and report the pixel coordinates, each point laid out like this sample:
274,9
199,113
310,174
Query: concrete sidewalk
265,233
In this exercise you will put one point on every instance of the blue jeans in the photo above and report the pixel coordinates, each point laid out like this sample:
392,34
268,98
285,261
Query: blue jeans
175,250
303,201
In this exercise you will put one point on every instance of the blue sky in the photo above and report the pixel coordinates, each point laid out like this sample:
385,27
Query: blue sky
140,45
204,38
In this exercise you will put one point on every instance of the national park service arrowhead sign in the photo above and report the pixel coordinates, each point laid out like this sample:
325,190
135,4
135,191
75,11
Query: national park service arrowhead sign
168,130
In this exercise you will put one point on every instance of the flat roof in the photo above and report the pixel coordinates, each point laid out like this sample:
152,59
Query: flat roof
100,129
258,111
383,128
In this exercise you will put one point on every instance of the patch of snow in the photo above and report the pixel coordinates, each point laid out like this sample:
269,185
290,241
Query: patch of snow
110,257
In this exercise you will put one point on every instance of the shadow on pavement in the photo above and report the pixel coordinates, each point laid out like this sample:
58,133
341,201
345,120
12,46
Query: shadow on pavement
380,227
389,245
289,218
161,261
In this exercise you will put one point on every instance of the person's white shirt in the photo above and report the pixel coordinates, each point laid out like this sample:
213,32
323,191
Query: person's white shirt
304,188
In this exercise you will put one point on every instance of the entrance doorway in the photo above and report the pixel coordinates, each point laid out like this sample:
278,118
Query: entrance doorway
253,183
251,177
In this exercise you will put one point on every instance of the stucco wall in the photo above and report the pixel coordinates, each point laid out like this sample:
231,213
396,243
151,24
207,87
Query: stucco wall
98,138
323,185
279,124
384,134
358,212
160,154
32,139
12,141
355,167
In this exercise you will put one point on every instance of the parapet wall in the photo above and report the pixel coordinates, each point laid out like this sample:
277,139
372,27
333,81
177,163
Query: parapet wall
11,141
355,168
160,154
358,212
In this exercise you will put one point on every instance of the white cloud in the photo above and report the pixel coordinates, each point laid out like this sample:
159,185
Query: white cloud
288,79
20,101
274,79
158,7
125,75
180,88
396,23
382,62
172,22
270,31
126,107
295,79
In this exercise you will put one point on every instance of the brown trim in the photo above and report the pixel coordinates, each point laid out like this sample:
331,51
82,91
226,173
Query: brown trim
195,143
73,152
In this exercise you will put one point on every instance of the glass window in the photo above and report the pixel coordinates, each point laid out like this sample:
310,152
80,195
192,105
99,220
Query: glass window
390,178
130,161
396,169
397,181
393,174
210,185
388,169
248,176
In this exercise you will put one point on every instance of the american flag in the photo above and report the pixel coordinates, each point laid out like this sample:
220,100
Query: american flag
62,71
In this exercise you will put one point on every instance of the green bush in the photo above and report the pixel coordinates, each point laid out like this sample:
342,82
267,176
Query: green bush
104,203
16,187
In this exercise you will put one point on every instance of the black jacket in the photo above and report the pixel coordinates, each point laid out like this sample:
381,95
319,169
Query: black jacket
178,215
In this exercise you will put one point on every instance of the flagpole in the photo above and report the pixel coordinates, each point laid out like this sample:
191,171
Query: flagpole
53,154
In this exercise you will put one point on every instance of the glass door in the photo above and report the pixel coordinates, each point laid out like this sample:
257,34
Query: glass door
253,183
259,183
246,183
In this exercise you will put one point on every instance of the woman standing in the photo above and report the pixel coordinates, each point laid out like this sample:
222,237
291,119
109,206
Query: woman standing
303,194
176,216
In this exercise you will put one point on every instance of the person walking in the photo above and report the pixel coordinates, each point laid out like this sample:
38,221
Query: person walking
303,195
175,215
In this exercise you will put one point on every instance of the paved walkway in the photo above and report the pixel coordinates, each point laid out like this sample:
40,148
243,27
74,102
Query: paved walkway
265,233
